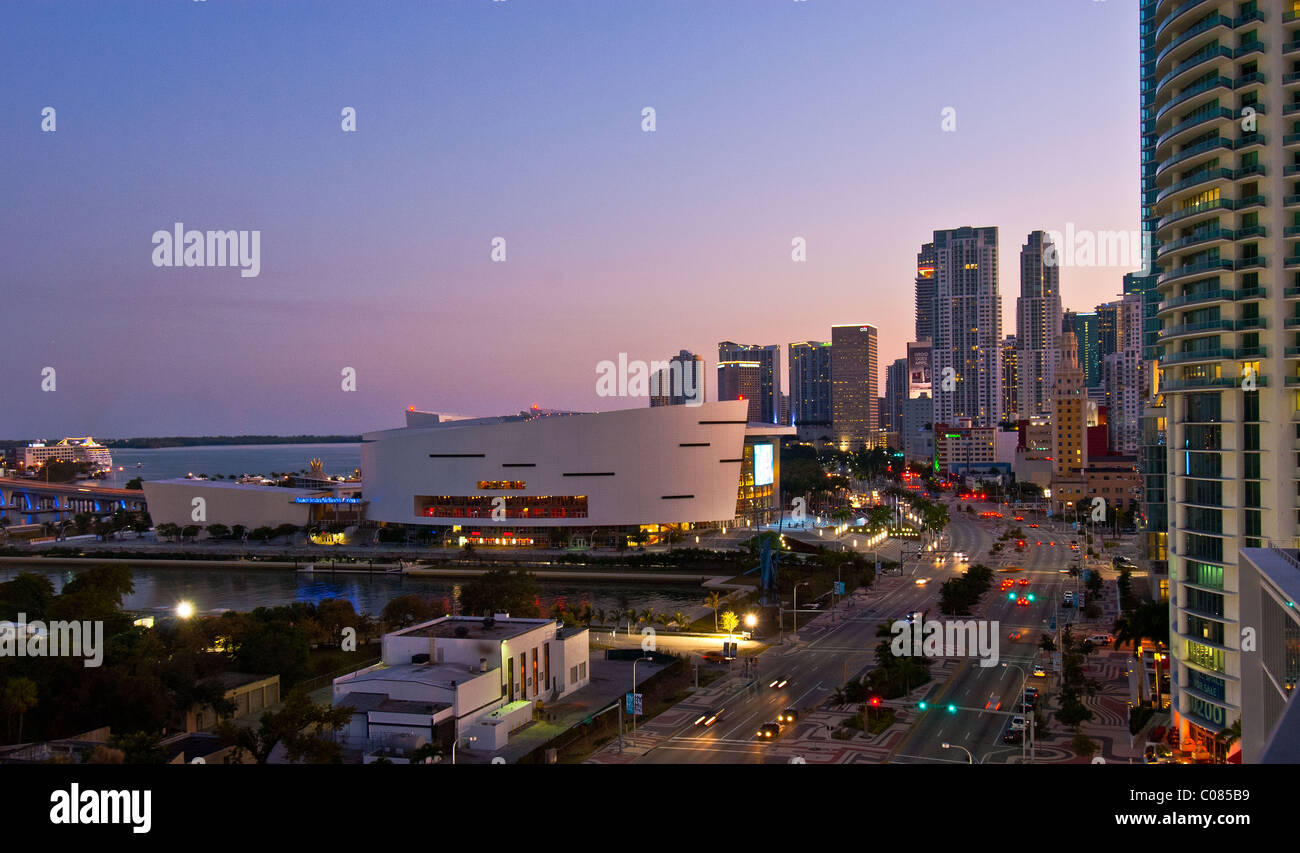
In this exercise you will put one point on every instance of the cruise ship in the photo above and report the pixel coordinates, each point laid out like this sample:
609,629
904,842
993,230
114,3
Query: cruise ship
85,450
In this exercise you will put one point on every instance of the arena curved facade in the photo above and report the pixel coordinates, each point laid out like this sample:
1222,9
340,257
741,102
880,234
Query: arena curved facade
660,465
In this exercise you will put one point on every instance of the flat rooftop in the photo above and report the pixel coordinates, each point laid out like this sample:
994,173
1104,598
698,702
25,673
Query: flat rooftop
474,628
228,484
429,674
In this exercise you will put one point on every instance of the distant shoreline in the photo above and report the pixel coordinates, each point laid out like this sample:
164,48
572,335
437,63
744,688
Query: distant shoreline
209,441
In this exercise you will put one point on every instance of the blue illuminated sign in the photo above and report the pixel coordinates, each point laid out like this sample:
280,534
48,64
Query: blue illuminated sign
327,500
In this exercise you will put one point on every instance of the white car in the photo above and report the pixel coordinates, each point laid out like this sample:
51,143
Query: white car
1018,724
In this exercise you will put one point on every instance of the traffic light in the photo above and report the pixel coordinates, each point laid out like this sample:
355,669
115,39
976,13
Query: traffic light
1031,596
952,708
923,706
1011,596
875,701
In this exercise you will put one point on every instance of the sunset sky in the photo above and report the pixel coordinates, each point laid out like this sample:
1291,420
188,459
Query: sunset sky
520,119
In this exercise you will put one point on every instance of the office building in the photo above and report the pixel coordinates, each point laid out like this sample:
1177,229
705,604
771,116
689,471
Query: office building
769,380
1038,325
1084,326
810,382
854,380
896,393
966,355
742,380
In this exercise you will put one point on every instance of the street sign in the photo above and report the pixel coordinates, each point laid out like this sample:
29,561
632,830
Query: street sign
634,702
839,586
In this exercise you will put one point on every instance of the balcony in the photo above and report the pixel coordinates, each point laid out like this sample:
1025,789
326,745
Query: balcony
1217,354
1253,262
1291,352
1206,296
1202,209
1213,53
1210,382
1248,293
1195,328
1192,33
1202,177
1292,261
1251,323
1179,16
1200,148
1183,97
1212,115
1198,268
1290,140
1209,235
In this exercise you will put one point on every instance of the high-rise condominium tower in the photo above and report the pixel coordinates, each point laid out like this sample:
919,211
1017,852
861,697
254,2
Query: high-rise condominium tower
1038,325
854,379
1010,378
1220,154
967,356
679,384
925,261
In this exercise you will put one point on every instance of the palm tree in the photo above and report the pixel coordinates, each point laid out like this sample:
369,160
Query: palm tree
598,615
19,697
714,601
680,619
648,615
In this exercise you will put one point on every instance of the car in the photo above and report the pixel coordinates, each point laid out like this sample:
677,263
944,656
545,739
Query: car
1015,635
1020,518
1053,544
789,715
1039,672
1026,706
779,683
768,731
1023,581
714,657
705,720
1039,542
1074,546
1022,601
1101,639
1018,724
1033,525
1013,737
1031,691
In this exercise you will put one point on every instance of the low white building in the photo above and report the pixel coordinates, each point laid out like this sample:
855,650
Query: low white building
462,677
183,501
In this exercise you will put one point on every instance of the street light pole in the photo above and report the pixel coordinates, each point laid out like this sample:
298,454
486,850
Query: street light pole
1024,679
970,759
634,663
795,613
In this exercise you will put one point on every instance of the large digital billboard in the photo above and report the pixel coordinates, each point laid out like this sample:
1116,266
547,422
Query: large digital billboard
763,474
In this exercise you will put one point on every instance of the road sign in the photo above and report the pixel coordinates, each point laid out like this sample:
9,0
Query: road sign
839,587
634,702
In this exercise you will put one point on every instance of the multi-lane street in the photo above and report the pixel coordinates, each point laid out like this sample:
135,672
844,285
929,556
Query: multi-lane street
836,646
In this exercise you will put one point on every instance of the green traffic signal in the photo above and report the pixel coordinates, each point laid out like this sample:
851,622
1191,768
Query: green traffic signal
1031,596
924,706
952,709
1011,596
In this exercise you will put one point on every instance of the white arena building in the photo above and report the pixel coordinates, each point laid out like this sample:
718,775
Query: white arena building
669,465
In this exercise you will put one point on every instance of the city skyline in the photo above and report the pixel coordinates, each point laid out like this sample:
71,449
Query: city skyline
376,245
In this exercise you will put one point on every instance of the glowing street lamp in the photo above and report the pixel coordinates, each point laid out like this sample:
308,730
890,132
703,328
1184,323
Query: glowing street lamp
185,610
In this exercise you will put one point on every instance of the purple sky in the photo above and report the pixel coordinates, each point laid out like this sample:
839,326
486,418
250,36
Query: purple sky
478,119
